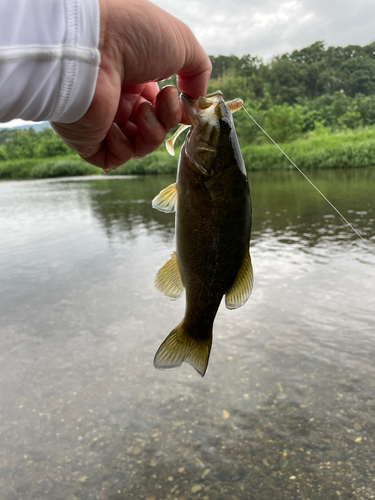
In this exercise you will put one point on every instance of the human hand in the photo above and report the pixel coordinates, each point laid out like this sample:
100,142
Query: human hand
129,117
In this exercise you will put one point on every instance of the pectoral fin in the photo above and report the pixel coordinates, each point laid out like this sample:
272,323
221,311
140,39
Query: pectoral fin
168,279
166,200
240,291
169,144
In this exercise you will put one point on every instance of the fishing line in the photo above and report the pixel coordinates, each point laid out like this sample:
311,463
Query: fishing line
313,185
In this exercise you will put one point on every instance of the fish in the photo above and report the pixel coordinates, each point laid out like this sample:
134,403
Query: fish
211,198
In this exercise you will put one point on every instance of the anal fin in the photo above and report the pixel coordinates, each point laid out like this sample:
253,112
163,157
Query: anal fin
166,200
242,286
168,279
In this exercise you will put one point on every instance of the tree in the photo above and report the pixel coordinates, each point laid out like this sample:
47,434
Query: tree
283,123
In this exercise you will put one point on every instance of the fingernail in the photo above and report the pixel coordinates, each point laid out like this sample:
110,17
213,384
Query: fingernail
117,132
174,101
151,117
86,153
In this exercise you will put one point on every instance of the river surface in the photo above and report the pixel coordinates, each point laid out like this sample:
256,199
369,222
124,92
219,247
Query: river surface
287,407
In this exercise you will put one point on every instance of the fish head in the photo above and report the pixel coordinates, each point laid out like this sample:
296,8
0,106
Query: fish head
211,143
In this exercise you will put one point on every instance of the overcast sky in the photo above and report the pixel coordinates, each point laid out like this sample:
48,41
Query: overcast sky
270,27
267,28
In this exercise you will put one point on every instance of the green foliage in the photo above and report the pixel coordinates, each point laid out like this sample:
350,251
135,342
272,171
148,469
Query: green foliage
283,123
49,145
246,129
318,130
20,143
366,108
307,73
18,169
333,87
4,135
229,86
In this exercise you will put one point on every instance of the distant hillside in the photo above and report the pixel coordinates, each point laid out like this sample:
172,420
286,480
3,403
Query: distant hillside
37,127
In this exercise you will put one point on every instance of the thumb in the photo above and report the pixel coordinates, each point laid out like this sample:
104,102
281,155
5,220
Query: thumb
154,46
193,76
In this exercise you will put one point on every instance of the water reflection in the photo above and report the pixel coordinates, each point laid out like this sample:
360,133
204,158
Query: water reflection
287,407
284,204
121,207
287,205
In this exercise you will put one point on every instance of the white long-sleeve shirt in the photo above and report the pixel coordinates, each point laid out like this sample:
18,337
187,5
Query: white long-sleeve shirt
49,58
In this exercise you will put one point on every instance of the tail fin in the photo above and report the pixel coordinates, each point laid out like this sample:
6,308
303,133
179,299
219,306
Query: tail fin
179,346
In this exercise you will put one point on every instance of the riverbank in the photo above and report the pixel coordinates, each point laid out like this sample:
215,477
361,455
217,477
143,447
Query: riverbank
351,149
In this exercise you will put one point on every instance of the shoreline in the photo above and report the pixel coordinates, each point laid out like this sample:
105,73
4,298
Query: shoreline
351,149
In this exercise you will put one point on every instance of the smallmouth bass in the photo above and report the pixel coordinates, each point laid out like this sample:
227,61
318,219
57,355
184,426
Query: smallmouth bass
211,198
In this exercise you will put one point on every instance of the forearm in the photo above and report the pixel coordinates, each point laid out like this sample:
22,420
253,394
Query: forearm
49,58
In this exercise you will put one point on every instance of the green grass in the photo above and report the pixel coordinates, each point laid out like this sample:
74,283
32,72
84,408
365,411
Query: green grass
67,166
159,162
350,149
62,168
34,168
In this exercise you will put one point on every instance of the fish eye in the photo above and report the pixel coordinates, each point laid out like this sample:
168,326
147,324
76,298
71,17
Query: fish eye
224,123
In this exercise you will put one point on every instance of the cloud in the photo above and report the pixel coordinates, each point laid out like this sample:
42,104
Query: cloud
17,123
268,27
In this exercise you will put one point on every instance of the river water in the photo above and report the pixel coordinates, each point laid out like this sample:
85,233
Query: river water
287,407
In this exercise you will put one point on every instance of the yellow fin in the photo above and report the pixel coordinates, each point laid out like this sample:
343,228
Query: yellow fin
168,279
240,291
170,142
179,346
166,200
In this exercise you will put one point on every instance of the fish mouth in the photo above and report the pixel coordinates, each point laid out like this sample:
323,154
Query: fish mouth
208,106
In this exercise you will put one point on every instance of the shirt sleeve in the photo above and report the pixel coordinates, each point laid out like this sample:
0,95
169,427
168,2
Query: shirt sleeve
49,58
